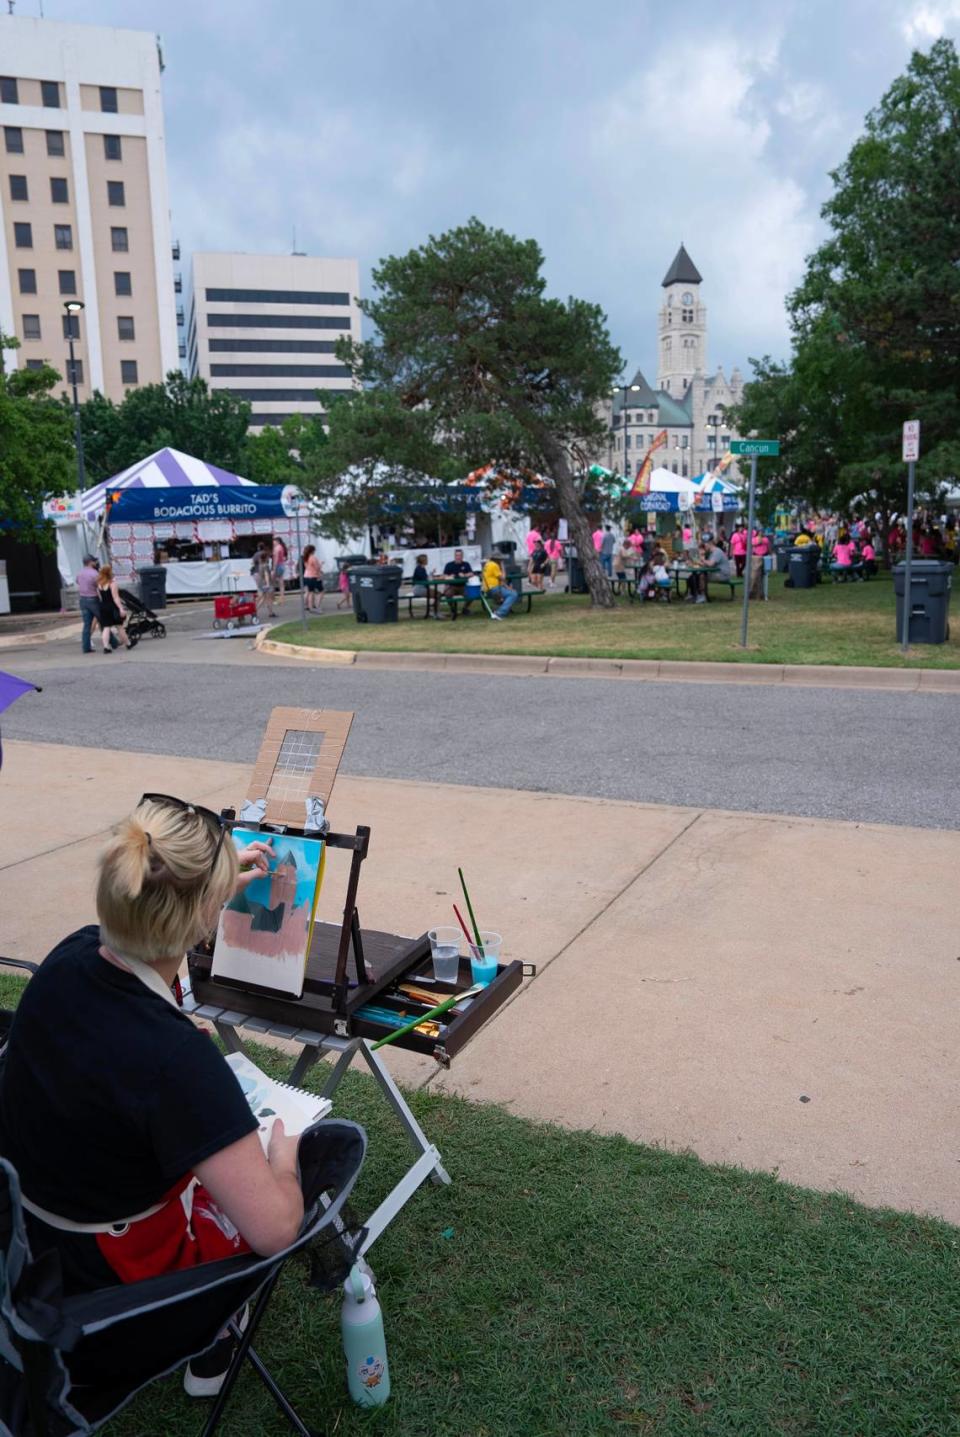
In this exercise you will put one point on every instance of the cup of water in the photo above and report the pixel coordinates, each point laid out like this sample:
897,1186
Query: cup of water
445,949
484,961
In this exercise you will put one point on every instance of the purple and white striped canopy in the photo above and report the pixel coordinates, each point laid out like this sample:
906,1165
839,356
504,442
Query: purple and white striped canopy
167,469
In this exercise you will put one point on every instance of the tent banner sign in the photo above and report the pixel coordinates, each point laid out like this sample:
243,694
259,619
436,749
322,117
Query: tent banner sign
224,501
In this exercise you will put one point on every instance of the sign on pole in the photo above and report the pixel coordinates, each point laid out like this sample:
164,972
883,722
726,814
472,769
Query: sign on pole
911,441
754,446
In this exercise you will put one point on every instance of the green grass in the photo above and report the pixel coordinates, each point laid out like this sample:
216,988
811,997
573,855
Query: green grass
830,624
573,1284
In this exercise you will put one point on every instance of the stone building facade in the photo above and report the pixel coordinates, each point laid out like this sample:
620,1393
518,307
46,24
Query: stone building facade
688,402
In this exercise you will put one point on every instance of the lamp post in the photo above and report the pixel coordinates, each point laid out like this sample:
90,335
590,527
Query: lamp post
625,389
74,307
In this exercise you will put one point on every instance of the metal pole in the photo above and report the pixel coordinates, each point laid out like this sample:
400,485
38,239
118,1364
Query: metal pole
78,433
749,568
303,586
908,559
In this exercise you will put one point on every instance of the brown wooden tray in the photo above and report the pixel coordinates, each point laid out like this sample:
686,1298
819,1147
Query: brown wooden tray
389,957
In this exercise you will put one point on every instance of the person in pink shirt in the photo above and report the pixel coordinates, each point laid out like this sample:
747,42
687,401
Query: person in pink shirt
636,539
554,550
738,548
841,565
533,539
869,556
597,539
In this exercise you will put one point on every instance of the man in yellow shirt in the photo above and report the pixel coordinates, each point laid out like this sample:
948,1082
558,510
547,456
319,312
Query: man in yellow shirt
496,589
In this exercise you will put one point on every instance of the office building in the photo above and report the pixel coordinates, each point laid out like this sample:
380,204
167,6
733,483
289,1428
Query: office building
83,198
265,327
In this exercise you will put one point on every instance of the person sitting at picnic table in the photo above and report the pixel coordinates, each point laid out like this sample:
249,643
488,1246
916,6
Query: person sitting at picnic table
496,589
420,576
134,1143
661,574
712,560
869,556
538,565
456,570
624,560
843,556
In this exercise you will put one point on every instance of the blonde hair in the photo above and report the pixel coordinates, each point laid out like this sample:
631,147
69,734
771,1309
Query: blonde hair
159,891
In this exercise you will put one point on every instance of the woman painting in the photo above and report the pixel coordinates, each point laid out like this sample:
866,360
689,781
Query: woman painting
136,1150
112,613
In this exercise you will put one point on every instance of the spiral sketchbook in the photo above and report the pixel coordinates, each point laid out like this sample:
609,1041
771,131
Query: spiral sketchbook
270,1100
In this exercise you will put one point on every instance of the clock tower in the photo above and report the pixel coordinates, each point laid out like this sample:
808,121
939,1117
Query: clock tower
682,336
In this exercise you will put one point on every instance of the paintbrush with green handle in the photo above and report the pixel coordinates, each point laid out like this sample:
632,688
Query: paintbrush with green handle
473,918
433,1013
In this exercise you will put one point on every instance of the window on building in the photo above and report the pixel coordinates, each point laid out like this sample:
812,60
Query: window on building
687,316
115,194
121,282
27,279
13,139
63,236
108,99
31,326
55,142
18,187
128,371
68,281
35,363
59,193
74,371
119,240
50,94
112,147
23,235
71,326
8,90
125,326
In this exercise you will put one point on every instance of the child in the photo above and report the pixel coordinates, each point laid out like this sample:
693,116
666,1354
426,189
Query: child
869,555
420,577
343,584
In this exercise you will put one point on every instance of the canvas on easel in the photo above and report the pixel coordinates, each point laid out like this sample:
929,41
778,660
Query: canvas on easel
263,939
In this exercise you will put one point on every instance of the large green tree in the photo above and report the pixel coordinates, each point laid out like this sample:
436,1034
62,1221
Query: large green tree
472,364
181,413
37,459
285,453
876,319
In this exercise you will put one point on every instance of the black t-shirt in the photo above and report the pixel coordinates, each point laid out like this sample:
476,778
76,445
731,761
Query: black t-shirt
456,567
110,1095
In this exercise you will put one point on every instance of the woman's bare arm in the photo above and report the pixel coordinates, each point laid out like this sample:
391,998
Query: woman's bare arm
260,1194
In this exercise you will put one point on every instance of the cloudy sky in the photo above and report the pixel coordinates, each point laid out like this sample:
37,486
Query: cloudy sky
609,133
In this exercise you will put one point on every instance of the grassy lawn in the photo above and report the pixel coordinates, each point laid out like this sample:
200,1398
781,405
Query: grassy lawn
830,624
578,1285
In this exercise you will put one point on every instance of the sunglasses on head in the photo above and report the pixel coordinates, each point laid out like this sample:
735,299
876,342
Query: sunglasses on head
215,820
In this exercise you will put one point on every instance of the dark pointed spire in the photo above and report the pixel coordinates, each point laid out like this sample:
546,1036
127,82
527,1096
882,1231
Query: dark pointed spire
683,270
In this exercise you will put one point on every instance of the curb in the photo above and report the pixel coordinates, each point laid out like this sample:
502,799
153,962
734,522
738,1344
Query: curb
40,636
660,670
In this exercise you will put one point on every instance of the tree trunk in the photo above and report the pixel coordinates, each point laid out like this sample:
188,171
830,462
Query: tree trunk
568,500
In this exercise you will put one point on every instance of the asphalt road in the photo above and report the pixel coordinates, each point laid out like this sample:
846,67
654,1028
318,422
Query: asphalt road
826,753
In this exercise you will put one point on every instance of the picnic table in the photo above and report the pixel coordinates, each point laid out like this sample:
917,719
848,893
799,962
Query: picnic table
435,596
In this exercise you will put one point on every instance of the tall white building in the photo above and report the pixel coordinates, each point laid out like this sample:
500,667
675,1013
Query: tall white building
689,404
83,202
265,328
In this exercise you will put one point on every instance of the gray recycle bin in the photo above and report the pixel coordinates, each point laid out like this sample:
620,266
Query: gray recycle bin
576,577
153,586
374,588
782,552
930,581
804,563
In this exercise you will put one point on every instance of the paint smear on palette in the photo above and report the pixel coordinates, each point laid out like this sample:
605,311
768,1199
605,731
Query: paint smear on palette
264,933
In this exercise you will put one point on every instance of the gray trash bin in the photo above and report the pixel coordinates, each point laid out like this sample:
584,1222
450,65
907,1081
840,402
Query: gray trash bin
930,582
374,588
783,558
804,563
153,586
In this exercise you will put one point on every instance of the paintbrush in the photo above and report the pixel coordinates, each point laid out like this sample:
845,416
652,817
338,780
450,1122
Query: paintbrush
466,932
433,1013
473,917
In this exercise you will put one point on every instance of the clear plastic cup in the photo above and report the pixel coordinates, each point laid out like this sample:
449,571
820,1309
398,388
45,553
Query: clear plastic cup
445,951
483,965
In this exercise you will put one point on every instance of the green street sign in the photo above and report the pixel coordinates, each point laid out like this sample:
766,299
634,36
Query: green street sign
754,446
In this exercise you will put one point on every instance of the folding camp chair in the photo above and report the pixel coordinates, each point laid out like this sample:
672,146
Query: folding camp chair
69,1364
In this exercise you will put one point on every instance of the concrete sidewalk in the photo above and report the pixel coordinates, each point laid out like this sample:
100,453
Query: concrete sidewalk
775,992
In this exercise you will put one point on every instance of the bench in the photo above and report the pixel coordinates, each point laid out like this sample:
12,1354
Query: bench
457,600
733,584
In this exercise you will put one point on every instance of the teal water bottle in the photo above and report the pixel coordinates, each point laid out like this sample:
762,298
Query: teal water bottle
364,1345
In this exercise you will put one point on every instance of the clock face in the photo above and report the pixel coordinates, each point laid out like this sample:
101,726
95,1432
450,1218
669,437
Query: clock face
687,297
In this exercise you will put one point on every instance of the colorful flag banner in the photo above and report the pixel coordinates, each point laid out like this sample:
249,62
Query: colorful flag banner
641,485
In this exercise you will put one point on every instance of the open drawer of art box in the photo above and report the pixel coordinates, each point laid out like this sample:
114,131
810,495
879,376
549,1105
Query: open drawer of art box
354,982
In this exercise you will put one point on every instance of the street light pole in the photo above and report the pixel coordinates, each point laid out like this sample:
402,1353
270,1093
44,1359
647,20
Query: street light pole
74,308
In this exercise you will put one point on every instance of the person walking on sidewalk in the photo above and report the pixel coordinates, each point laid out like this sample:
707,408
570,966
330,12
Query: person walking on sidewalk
495,588
112,613
89,600
311,576
262,571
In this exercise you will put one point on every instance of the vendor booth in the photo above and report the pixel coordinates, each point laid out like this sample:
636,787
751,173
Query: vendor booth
201,523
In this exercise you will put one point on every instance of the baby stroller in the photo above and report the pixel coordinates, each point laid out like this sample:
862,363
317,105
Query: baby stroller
140,619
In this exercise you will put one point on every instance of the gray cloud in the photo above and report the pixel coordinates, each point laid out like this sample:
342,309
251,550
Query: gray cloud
608,134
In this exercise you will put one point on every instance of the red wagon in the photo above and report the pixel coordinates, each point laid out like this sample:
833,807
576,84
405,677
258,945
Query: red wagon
231,610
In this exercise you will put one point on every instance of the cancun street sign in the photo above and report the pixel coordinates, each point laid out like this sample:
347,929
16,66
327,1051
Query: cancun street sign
755,446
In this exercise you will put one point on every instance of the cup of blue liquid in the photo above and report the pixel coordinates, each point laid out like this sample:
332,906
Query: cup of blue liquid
485,961
445,951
